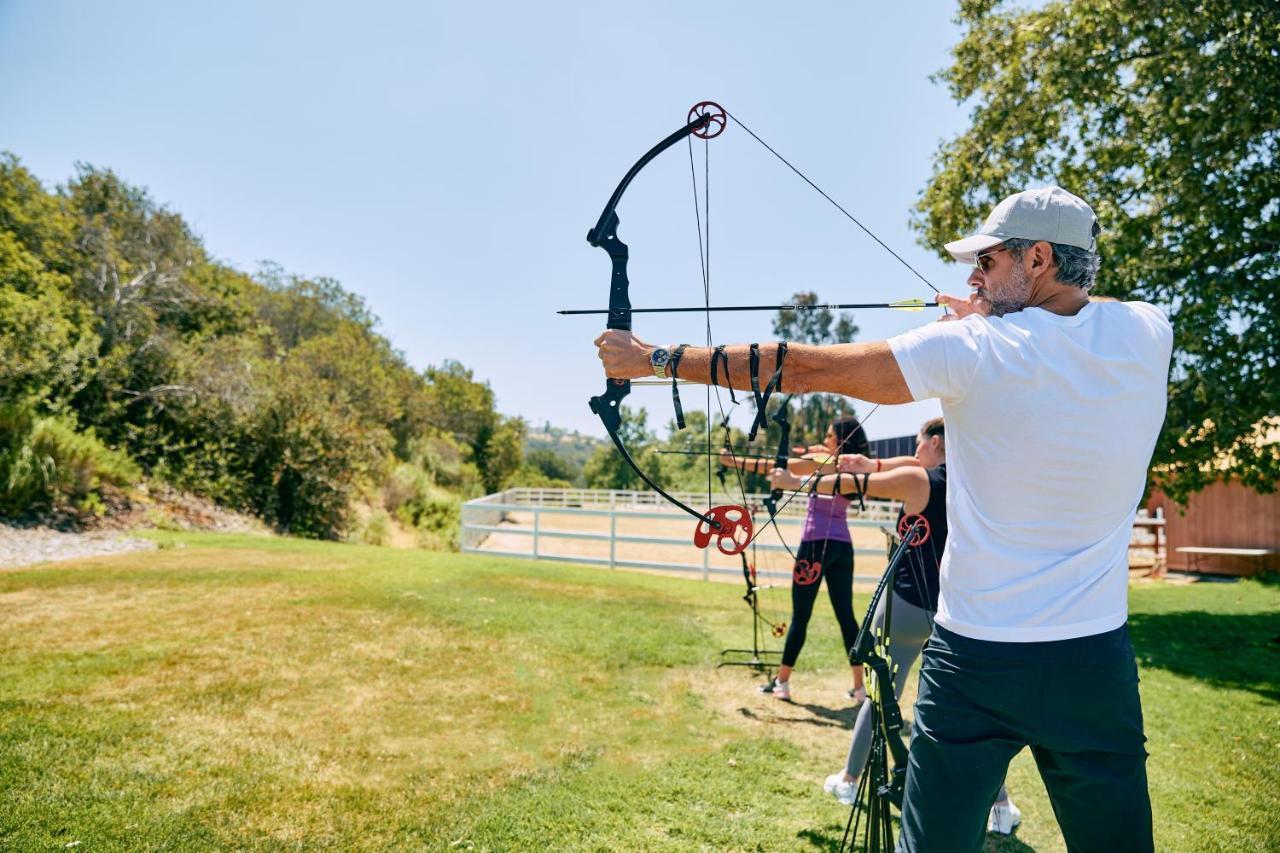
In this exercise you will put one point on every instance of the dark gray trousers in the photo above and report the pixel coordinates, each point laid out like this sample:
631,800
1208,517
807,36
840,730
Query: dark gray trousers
1073,702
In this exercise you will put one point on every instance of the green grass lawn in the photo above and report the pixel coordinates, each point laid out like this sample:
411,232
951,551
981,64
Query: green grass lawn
272,693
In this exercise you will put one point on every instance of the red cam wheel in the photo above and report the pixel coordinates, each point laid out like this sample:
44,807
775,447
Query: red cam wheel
716,114
914,530
731,530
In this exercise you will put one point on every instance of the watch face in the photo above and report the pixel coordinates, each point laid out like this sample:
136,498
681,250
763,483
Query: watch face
659,356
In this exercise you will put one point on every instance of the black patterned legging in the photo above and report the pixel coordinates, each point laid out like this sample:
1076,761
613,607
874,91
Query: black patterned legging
822,558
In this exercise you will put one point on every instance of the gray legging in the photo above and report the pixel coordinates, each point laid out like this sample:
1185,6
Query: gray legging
910,629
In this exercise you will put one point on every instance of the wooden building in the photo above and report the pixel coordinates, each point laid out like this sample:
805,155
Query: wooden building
1225,515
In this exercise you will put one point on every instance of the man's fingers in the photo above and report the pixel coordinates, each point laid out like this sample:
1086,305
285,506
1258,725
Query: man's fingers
615,337
975,304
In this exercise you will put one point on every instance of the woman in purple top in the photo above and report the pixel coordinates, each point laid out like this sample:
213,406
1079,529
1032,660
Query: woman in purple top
826,551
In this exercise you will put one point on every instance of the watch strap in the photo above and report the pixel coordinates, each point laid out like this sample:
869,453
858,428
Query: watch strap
674,364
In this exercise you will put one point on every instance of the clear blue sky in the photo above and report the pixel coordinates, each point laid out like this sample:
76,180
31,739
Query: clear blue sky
446,160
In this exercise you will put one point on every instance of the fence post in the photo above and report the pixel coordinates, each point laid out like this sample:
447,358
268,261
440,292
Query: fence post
706,564
537,517
613,530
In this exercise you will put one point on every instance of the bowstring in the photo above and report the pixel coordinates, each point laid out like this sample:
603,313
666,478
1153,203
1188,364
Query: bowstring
704,250
816,471
704,263
835,203
702,217
865,230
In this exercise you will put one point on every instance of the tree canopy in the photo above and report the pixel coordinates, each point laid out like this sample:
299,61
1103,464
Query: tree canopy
1166,119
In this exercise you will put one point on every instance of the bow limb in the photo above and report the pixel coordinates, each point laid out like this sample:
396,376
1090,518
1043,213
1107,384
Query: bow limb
608,407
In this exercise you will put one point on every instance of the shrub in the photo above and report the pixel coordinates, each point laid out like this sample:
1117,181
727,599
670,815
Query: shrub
46,464
419,503
376,529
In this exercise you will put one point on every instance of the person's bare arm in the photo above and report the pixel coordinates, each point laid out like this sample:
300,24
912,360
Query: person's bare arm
804,466
856,463
907,484
822,462
865,371
750,464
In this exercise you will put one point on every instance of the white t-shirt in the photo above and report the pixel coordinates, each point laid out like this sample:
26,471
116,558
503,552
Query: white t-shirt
1051,422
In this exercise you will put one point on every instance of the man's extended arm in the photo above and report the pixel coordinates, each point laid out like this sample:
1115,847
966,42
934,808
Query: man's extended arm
865,371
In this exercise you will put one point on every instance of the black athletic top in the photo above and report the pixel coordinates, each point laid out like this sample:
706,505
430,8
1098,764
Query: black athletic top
921,563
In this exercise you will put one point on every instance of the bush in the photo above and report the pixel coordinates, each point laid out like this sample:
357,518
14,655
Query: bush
419,503
46,464
535,477
376,529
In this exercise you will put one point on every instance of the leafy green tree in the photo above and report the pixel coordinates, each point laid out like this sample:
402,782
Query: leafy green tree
500,453
551,465
1164,117
123,342
132,265
47,343
606,469
689,468
812,413
298,309
460,405
306,458
447,460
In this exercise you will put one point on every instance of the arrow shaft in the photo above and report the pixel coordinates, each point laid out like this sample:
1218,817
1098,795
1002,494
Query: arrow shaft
840,307
739,451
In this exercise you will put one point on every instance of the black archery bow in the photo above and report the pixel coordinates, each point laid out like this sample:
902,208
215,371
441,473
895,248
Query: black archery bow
884,778
728,525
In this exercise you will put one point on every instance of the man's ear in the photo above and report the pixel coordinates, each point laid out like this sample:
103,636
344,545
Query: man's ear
1041,257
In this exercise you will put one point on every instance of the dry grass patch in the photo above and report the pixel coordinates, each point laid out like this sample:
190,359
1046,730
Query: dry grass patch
818,720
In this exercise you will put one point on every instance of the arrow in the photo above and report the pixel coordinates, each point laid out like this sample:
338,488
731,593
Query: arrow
740,451
915,304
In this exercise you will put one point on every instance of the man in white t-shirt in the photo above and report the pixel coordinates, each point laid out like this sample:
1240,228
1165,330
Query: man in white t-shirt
1053,403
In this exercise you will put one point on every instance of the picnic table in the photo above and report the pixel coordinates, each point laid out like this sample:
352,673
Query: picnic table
1195,552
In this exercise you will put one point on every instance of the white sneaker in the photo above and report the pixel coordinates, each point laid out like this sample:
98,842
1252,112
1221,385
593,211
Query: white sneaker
844,792
1004,817
778,689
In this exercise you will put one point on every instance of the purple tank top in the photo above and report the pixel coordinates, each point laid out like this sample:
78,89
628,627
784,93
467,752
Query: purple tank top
825,519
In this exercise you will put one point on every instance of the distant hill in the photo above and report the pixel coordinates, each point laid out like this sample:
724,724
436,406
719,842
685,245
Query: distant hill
571,448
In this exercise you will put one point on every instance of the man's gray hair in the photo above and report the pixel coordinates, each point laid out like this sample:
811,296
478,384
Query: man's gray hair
1075,265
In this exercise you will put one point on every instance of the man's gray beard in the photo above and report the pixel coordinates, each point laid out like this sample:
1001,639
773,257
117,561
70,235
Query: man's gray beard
1015,296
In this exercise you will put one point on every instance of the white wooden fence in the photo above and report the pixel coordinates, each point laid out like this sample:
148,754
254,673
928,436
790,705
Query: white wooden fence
502,523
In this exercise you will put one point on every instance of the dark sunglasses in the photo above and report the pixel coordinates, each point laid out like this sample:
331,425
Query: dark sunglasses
983,262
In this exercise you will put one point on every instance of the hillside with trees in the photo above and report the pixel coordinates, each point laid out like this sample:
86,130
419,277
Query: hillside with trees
129,354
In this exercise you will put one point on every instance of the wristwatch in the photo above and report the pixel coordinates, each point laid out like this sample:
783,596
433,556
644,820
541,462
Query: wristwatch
658,360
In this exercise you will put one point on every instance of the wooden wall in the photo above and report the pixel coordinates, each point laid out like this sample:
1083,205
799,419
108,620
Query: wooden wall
1224,515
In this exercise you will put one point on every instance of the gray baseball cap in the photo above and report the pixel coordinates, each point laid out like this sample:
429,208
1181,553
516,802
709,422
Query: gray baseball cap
1050,213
